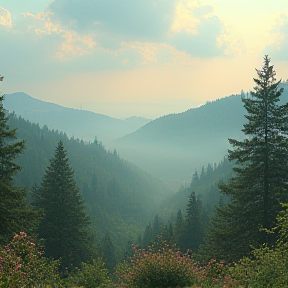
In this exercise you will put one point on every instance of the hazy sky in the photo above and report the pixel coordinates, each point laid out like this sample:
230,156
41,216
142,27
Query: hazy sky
139,57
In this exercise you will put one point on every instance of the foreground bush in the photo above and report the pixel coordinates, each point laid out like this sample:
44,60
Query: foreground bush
91,275
22,265
162,267
268,267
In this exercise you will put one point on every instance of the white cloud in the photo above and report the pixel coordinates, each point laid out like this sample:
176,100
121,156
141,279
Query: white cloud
5,17
278,47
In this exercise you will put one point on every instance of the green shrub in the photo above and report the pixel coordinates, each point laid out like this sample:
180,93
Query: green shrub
267,267
91,275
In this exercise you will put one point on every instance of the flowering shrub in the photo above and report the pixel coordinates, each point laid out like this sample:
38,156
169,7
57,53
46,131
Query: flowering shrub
157,267
214,273
22,265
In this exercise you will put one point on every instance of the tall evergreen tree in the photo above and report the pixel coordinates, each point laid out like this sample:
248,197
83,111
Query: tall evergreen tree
179,229
148,236
15,213
195,178
194,224
260,183
156,227
108,253
64,224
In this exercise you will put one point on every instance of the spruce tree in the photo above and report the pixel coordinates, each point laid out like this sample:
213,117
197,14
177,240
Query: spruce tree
179,229
148,236
108,253
64,225
15,212
194,224
261,173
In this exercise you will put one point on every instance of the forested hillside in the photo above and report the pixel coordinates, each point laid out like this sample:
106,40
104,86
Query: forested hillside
173,145
120,197
205,185
230,229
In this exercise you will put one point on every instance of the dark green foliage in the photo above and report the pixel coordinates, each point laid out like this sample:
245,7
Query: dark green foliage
15,213
148,236
188,230
97,173
64,224
156,231
108,253
268,266
179,229
194,225
261,171
90,275
157,226
206,188
167,234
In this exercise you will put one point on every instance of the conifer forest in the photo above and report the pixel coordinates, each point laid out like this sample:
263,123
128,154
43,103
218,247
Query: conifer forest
75,213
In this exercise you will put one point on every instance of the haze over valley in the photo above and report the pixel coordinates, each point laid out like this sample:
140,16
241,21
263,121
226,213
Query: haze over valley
170,147
143,143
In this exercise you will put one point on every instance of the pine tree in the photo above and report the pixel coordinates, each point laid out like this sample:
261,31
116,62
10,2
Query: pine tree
179,229
195,178
15,212
260,183
156,227
108,253
64,225
148,236
194,224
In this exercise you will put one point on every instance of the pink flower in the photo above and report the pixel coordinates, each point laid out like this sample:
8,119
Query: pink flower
134,246
23,234
7,248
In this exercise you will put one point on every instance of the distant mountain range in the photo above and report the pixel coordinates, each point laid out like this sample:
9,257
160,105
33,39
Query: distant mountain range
170,147
82,124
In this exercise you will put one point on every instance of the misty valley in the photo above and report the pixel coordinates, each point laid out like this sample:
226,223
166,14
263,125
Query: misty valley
191,199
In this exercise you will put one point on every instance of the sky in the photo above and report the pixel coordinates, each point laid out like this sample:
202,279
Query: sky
145,58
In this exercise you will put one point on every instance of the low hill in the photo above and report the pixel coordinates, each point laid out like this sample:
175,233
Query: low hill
82,124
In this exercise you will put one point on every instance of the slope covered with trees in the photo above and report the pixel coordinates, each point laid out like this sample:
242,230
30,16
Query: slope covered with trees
170,146
119,197
249,229
15,212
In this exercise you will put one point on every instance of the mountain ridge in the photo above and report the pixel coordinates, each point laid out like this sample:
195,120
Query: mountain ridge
83,124
185,141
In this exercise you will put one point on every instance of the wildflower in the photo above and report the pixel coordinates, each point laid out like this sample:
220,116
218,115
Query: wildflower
134,246
32,244
7,248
